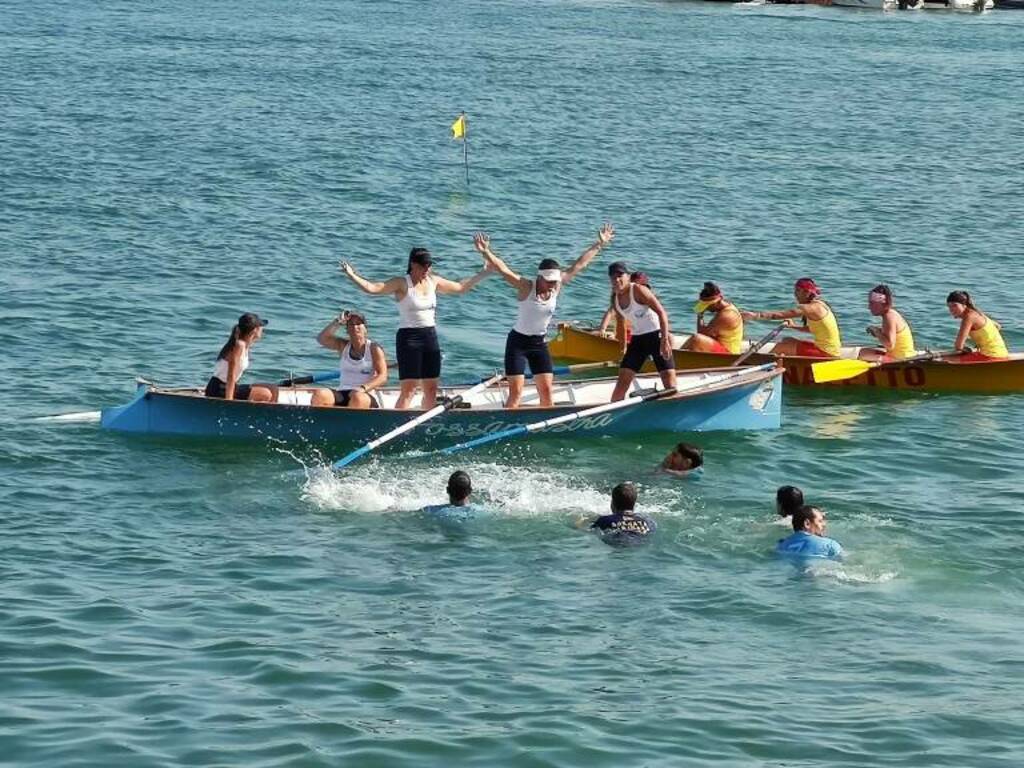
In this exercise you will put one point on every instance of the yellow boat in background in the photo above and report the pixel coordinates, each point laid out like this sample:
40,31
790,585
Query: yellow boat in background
578,344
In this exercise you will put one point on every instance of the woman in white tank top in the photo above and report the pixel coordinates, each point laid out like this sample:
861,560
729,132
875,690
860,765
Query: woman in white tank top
651,335
416,347
233,360
537,297
362,365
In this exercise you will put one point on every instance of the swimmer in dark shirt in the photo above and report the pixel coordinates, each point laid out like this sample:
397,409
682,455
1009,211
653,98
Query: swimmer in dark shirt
624,526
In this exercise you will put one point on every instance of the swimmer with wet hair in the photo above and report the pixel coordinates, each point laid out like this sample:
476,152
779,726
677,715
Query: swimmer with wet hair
808,540
682,460
624,526
459,507
788,499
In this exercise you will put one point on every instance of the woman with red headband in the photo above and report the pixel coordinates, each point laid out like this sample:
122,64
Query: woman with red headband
818,320
982,330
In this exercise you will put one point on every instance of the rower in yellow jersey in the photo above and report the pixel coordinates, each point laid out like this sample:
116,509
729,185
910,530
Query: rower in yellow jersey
894,332
818,320
724,334
982,330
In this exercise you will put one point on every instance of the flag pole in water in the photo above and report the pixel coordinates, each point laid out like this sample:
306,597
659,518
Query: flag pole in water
460,132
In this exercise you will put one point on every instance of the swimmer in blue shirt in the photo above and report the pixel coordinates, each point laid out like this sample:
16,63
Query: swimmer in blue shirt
623,526
808,539
458,507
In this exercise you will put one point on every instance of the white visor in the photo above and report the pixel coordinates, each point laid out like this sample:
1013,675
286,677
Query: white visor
551,275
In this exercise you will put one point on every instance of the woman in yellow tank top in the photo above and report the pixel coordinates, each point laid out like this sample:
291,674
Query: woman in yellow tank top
982,330
894,333
724,334
819,320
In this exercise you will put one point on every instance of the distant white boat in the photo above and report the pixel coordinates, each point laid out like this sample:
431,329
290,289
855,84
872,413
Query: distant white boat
914,5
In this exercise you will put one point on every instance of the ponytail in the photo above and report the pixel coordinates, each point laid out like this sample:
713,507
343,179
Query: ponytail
230,345
962,297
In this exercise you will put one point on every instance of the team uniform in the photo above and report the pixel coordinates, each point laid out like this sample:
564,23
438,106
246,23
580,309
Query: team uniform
730,340
416,347
525,344
354,373
624,528
827,342
989,342
217,386
646,339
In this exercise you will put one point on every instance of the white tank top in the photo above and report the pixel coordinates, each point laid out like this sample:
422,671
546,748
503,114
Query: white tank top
414,310
535,314
642,318
354,373
220,370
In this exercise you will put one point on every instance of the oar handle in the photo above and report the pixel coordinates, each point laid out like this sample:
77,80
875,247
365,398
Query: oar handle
759,343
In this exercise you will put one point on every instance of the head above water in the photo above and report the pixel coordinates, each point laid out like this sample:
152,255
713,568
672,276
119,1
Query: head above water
809,520
788,499
420,259
459,487
880,299
623,497
686,457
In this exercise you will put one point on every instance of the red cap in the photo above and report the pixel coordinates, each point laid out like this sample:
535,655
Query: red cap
807,284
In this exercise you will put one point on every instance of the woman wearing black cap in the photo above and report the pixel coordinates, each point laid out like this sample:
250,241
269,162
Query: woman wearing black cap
416,347
233,359
537,297
652,337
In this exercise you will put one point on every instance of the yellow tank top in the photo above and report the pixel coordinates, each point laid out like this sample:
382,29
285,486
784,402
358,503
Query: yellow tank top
732,338
826,333
989,340
904,346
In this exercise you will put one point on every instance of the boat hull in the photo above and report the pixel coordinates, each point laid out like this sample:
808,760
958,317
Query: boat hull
751,400
996,377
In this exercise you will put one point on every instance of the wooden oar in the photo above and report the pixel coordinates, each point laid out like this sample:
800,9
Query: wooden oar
523,429
840,370
413,423
760,343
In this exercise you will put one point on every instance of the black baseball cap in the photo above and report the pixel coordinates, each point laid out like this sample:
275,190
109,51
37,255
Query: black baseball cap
617,268
250,321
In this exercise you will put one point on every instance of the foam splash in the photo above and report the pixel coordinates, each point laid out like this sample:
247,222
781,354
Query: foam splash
81,417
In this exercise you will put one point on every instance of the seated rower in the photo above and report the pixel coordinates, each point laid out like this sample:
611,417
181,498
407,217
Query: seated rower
818,319
724,334
459,507
808,539
233,360
683,460
623,526
363,366
788,499
894,333
982,330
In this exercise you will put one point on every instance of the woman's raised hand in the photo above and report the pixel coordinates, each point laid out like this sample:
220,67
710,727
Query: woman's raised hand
606,234
346,268
482,242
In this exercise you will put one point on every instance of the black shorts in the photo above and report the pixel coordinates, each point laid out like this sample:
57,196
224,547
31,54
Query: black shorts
419,356
217,388
341,398
521,350
640,348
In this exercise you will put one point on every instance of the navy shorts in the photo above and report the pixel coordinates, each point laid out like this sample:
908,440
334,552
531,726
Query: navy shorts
342,396
418,353
217,388
522,350
640,348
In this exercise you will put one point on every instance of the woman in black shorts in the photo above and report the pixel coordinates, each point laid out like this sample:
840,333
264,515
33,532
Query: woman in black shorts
233,359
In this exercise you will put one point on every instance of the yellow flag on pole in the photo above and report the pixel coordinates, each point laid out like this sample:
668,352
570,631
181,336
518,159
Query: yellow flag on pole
459,127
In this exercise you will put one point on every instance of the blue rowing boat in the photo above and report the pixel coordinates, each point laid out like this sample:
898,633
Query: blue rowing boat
723,399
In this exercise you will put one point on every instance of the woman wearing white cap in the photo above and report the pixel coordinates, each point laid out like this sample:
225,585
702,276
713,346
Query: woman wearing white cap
537,297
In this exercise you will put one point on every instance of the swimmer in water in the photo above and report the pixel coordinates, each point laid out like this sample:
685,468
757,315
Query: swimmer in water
459,506
808,539
683,460
788,499
624,526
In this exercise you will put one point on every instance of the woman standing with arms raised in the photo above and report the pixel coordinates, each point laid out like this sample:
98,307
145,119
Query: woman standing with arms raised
525,344
416,347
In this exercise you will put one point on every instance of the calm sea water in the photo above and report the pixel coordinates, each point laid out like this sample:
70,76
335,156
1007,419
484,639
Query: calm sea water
177,602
